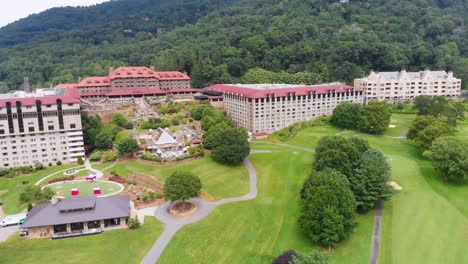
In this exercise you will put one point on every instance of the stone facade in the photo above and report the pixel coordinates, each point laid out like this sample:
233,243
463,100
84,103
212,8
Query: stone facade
43,129
269,108
404,86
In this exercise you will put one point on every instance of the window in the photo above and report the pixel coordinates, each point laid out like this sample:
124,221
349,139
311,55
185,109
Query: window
72,125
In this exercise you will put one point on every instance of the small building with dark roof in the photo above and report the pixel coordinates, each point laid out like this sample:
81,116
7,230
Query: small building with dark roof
77,215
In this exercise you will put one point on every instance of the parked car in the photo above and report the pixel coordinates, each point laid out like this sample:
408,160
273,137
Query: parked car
13,220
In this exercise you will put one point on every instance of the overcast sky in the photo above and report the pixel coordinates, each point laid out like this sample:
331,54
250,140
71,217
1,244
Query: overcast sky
12,10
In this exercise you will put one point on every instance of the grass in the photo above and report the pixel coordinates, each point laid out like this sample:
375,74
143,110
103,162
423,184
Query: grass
115,246
426,222
85,188
218,181
401,122
257,231
10,189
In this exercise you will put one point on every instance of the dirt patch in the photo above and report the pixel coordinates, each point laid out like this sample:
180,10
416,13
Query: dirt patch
142,180
395,185
183,209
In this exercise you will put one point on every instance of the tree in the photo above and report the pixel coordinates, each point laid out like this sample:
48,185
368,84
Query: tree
233,147
419,124
450,156
80,160
314,257
285,258
329,212
103,141
376,117
181,186
39,166
369,182
34,194
432,132
127,145
119,119
337,153
431,105
347,115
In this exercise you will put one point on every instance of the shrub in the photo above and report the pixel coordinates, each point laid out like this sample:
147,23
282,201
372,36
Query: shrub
68,178
80,161
39,166
95,156
118,179
150,158
108,157
59,163
134,223
151,195
30,207
159,196
50,164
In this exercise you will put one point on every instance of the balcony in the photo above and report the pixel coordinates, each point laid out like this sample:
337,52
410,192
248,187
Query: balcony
74,134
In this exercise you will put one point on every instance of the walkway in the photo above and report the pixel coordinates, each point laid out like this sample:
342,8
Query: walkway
374,256
173,224
98,173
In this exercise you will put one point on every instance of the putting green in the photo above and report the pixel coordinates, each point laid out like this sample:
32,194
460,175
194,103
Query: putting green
85,188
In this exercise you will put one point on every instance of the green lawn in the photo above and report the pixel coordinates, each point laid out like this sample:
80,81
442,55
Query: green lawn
85,188
116,246
428,212
257,231
218,181
10,189
401,122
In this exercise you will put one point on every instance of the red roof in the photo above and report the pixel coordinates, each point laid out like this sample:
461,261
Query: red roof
66,85
196,141
171,76
124,92
45,100
185,90
95,81
132,72
93,94
72,92
279,92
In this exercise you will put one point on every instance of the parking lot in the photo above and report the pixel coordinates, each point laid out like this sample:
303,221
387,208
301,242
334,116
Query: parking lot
6,232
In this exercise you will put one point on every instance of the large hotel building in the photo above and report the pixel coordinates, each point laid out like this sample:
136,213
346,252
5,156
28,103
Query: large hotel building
403,86
43,126
265,108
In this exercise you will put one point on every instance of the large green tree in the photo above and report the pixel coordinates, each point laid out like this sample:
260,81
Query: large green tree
127,146
181,186
232,146
337,153
347,115
450,156
375,118
369,181
329,211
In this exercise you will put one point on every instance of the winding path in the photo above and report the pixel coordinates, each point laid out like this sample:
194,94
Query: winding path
374,256
173,224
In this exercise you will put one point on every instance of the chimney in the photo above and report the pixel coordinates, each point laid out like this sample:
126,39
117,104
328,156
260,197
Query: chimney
450,74
111,69
152,68
27,85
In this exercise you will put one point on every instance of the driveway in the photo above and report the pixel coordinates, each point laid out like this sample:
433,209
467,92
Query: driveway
6,232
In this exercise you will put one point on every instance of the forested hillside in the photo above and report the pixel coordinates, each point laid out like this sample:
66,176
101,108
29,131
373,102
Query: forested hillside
300,41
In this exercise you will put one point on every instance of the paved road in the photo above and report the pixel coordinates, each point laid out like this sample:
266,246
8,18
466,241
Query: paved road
173,224
374,256
6,232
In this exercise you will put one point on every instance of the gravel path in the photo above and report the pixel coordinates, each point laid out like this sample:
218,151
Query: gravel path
374,256
173,224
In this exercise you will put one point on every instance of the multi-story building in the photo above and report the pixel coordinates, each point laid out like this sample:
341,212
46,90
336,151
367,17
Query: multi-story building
44,127
270,107
134,78
403,86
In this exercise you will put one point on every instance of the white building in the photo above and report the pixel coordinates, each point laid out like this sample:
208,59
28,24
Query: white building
402,86
271,107
44,127
161,144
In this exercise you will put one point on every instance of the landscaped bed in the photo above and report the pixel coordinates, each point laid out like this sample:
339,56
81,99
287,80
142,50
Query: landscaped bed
85,188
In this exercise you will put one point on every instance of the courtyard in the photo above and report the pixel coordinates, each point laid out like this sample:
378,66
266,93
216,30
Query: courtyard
85,188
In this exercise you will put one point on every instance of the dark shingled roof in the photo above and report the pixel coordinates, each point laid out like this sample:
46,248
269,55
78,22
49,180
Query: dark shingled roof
104,208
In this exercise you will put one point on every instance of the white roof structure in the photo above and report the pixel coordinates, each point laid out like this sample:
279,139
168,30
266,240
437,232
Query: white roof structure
165,138
410,75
